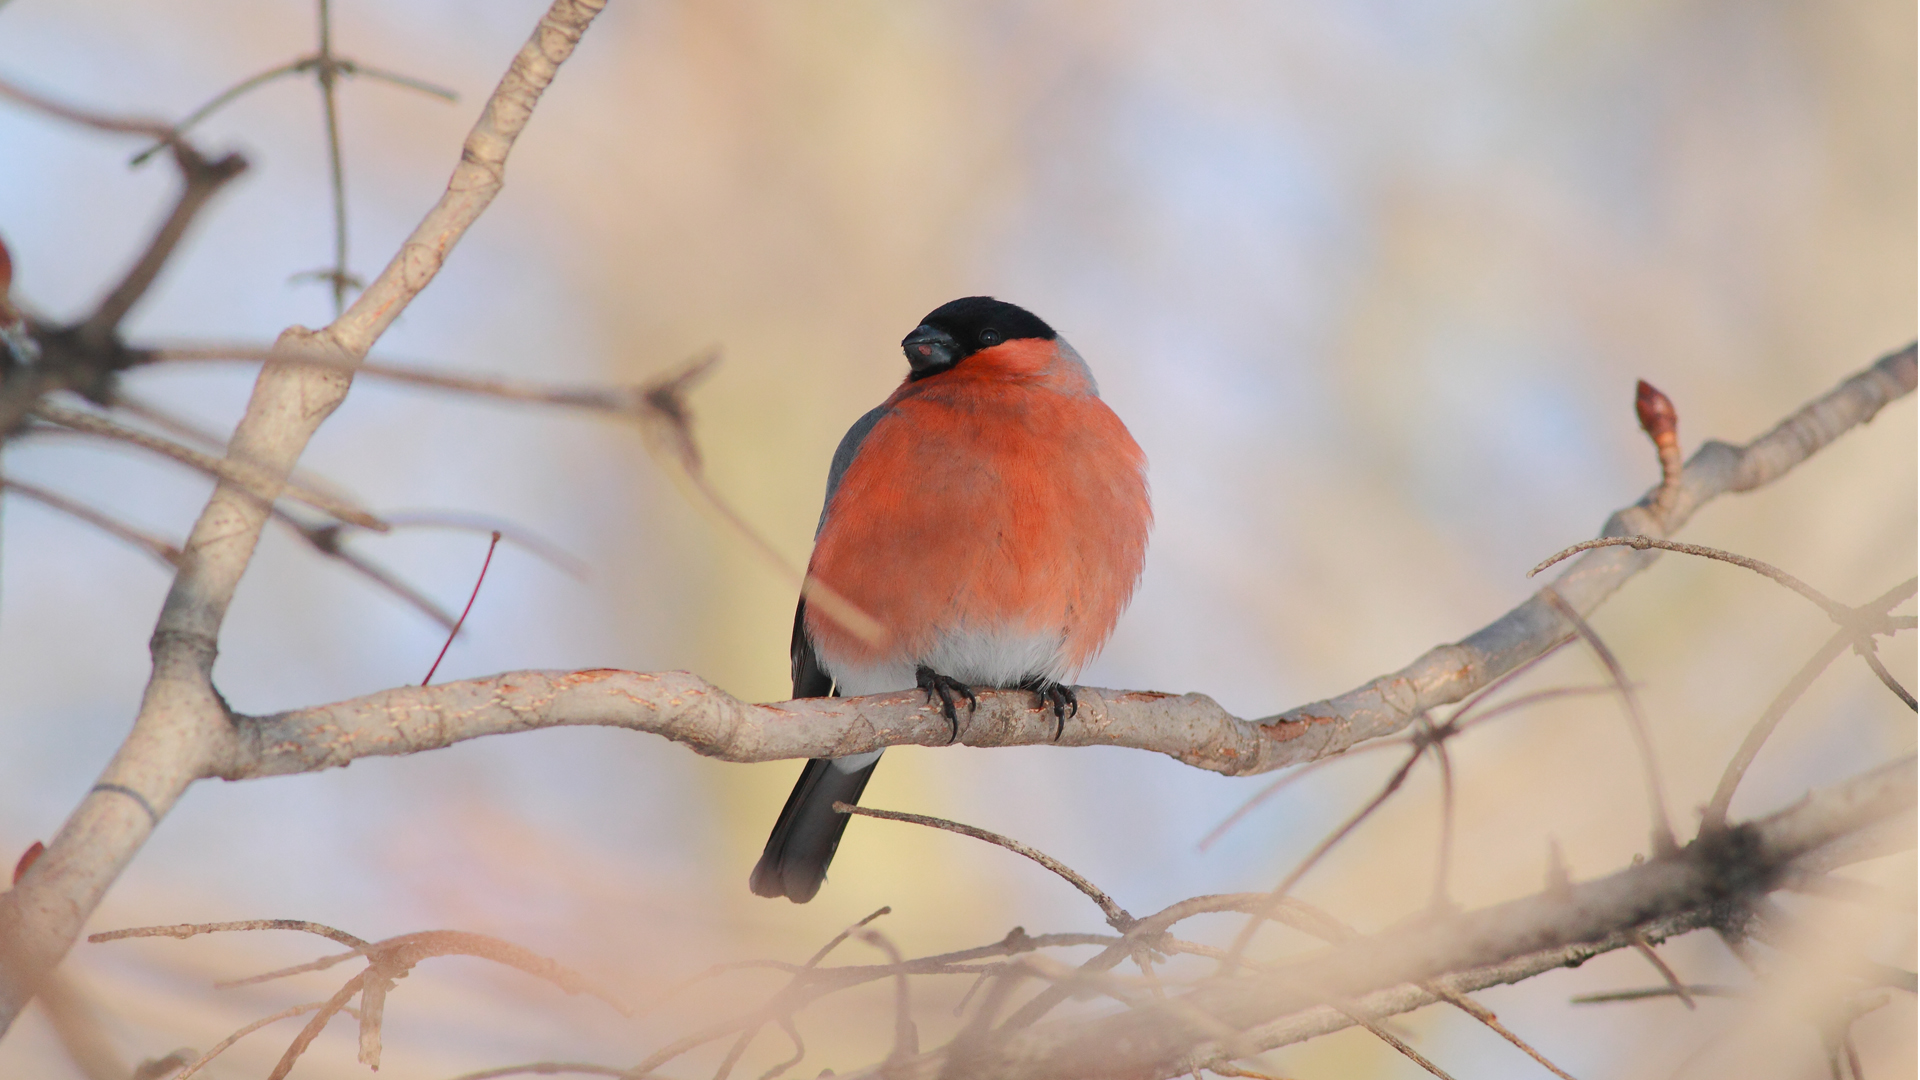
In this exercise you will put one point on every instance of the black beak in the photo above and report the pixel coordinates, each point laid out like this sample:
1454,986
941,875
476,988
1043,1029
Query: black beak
930,350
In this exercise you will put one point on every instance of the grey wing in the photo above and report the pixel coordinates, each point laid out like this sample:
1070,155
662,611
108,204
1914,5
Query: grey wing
843,456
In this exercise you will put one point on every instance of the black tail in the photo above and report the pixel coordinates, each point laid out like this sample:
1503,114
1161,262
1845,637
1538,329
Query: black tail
795,861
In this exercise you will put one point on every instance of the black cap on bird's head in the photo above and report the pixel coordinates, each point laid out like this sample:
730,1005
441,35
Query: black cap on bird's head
954,331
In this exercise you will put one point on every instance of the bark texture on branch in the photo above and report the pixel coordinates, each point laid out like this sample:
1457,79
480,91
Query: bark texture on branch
183,725
1192,728
1710,882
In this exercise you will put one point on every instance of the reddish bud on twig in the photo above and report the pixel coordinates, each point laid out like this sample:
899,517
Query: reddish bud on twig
1662,424
26,861
1657,417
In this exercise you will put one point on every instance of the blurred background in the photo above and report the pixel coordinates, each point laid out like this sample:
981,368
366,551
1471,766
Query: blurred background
1370,282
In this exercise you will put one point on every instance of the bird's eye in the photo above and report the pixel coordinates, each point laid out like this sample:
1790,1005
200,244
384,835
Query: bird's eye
989,337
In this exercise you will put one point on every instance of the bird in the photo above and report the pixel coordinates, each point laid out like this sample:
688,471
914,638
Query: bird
991,515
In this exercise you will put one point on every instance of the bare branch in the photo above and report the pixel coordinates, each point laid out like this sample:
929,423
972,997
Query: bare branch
1117,916
182,718
547,1068
228,469
220,1047
1715,814
187,930
1688,889
1396,1042
202,179
1697,990
163,550
1645,949
1641,543
99,121
1449,673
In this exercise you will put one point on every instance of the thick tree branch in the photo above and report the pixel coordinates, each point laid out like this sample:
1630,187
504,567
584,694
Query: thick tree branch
183,724
1189,727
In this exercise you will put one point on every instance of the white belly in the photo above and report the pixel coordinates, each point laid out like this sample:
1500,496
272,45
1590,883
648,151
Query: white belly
994,657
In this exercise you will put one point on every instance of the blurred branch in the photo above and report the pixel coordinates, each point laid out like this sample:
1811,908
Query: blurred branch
119,125
203,179
1703,884
87,356
229,470
183,723
1716,809
164,550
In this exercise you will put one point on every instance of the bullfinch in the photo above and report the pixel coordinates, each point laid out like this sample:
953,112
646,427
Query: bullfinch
991,515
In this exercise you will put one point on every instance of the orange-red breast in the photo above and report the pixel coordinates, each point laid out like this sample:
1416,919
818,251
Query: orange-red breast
992,515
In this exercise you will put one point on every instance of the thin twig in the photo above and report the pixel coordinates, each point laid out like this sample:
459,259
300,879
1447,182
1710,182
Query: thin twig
1644,948
328,1010
121,125
1443,861
799,1050
1286,780
187,930
1245,937
547,1068
1715,815
1696,990
221,99
1832,607
180,427
1661,825
220,1047
1394,1041
1117,916
325,540
1872,657
326,74
906,1040
220,468
164,550
659,404
1492,1023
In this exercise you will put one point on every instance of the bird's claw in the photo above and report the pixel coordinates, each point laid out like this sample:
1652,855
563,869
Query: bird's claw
943,688
1056,696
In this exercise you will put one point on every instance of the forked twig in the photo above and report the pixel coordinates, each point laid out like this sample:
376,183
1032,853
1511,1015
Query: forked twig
1715,815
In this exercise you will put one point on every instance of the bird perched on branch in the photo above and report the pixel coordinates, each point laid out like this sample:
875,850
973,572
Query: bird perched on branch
986,524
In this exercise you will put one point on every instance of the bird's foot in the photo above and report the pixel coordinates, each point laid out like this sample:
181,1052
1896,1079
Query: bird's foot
1056,696
943,688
